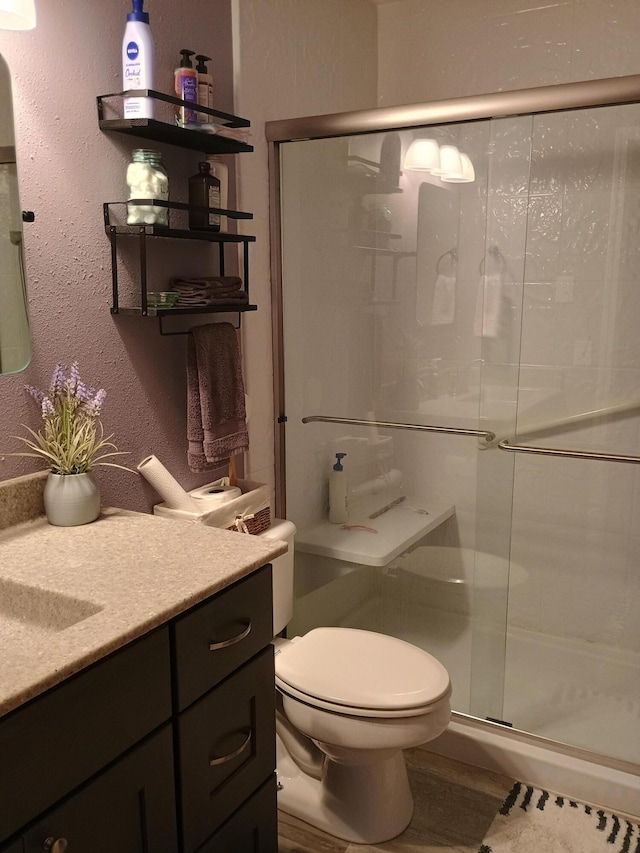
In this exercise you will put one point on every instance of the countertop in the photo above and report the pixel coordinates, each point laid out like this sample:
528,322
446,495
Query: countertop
71,595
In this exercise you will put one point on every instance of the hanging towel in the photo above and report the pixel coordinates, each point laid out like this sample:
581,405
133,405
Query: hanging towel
443,307
216,418
488,306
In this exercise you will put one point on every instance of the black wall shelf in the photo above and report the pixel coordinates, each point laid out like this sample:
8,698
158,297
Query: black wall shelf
115,230
195,139
110,111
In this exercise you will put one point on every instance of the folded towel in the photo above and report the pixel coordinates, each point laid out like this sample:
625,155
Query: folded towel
212,290
219,282
216,418
230,299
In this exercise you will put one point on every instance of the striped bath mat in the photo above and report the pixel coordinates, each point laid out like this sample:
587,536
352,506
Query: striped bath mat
535,821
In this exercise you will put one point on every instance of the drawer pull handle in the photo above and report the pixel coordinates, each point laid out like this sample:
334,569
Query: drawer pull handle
213,762
232,640
53,845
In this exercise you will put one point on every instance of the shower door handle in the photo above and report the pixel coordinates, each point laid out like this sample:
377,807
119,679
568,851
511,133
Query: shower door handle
568,454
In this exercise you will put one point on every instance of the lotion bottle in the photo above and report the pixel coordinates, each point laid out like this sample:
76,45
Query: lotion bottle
338,512
137,62
186,88
205,88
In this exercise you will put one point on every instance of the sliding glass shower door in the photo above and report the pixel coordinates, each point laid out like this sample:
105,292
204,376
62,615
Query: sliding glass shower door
450,336
573,641
402,298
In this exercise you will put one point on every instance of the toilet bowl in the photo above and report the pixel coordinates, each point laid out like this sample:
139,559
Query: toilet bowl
348,702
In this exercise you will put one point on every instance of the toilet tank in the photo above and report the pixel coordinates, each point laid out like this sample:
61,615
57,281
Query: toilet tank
282,574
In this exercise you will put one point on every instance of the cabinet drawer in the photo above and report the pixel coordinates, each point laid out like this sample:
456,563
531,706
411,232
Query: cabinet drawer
252,829
54,743
130,807
226,747
219,636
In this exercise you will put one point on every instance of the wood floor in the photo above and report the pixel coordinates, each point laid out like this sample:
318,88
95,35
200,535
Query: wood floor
454,806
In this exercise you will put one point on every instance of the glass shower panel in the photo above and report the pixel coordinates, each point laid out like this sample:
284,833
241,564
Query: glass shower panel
573,643
402,302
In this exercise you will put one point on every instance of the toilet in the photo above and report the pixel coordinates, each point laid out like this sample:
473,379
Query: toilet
347,703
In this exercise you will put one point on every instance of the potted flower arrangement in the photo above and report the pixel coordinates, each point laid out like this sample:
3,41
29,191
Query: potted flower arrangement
71,443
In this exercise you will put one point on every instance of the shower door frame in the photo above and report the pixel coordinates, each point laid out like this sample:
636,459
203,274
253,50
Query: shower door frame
563,97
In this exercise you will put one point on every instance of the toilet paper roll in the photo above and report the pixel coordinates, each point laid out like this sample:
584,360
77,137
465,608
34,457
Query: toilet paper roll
166,485
213,494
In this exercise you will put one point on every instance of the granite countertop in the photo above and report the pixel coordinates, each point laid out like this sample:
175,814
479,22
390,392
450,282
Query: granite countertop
71,595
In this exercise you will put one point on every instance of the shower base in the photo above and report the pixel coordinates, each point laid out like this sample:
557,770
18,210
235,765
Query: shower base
582,694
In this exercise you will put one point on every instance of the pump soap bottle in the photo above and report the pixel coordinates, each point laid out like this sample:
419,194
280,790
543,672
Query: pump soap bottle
137,62
220,171
205,88
186,88
204,191
338,512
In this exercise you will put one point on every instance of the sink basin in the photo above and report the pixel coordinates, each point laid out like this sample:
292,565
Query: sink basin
42,608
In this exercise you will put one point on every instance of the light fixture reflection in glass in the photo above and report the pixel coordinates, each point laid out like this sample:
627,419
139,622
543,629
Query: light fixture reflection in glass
17,14
445,162
468,174
423,155
450,162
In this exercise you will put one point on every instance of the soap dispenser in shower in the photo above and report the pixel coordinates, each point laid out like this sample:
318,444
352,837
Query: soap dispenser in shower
338,511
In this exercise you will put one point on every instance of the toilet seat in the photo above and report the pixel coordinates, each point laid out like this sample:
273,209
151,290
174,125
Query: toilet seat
360,673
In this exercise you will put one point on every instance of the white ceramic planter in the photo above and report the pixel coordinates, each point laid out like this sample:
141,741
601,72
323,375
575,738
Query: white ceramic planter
71,499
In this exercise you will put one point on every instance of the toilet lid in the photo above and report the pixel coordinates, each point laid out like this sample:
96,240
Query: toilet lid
361,669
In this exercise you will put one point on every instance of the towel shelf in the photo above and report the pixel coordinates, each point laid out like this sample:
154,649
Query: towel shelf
115,213
116,228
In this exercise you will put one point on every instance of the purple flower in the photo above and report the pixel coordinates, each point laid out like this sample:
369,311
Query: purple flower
57,380
36,393
84,394
73,379
47,408
94,406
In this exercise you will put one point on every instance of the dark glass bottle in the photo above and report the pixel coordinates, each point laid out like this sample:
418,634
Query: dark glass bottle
204,191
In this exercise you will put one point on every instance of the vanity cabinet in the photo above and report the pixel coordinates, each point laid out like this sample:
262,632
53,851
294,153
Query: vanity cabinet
130,807
166,745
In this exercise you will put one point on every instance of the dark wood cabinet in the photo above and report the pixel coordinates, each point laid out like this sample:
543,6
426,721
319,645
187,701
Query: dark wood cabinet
53,744
252,829
164,746
225,757
130,807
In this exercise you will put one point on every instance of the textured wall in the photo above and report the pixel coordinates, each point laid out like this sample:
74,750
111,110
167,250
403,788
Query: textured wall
430,49
68,168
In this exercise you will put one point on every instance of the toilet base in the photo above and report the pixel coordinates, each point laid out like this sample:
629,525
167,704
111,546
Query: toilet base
364,803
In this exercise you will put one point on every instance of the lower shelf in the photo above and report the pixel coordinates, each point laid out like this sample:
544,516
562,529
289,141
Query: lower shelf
153,311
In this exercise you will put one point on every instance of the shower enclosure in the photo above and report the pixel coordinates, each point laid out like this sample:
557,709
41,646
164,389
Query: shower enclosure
469,335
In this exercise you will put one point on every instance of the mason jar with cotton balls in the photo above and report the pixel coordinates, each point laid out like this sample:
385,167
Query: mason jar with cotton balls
147,179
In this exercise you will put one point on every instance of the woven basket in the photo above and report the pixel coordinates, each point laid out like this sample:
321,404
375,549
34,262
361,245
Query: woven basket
249,513
260,522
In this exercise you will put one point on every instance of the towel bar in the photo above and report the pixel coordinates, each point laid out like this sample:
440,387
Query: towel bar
480,433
